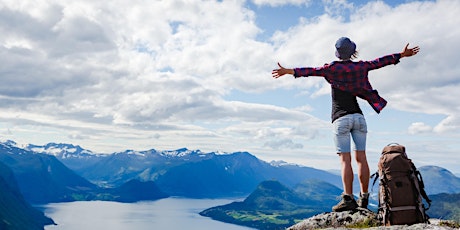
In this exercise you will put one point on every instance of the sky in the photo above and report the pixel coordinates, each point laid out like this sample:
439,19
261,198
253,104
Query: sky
139,75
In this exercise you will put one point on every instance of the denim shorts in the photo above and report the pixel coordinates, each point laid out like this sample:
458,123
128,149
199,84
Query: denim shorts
353,125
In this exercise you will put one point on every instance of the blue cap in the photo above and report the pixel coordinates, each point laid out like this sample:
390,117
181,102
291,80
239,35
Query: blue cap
345,48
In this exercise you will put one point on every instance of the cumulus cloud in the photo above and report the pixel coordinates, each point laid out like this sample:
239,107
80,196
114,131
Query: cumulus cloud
449,125
285,143
419,127
281,2
157,73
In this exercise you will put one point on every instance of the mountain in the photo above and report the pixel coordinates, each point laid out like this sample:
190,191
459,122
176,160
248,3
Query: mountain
117,168
42,178
224,175
15,212
121,167
439,180
445,206
184,172
73,156
193,173
272,205
132,191
318,192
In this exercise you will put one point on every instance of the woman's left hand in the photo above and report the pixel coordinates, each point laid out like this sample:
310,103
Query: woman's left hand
276,73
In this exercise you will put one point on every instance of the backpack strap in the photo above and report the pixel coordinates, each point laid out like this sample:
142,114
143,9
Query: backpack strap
422,188
376,175
383,209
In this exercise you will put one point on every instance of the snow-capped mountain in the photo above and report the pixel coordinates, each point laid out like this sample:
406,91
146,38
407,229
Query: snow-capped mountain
181,172
183,152
62,151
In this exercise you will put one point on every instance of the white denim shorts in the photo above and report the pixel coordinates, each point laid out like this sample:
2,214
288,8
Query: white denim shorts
351,125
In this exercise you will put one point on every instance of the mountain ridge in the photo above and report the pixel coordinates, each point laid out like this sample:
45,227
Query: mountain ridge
42,178
273,205
114,169
178,172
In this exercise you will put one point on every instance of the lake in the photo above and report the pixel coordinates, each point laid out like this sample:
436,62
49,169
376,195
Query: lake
169,213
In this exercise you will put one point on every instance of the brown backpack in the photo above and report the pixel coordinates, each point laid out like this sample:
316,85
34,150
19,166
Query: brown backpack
401,188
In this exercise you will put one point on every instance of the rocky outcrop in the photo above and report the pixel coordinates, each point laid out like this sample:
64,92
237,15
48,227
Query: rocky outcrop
359,218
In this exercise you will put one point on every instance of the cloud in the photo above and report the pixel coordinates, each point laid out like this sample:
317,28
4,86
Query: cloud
449,125
337,7
275,3
286,143
419,127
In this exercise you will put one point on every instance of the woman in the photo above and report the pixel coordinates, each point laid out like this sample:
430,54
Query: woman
349,80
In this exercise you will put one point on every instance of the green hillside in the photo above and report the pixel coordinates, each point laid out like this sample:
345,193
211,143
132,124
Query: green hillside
15,212
445,206
274,206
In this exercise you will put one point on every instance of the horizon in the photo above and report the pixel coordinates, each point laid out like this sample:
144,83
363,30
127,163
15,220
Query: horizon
332,170
197,74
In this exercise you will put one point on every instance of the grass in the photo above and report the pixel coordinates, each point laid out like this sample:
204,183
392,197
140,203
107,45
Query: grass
449,223
369,223
366,223
258,216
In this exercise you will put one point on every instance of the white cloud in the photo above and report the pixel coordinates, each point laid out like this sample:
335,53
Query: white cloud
337,7
285,143
449,125
419,127
275,3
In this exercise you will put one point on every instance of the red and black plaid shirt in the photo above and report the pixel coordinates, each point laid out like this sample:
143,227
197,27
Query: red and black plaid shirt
352,77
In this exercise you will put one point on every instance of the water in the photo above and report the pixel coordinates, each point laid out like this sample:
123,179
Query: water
169,213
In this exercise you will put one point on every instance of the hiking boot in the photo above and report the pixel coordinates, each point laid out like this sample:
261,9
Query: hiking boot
363,200
346,204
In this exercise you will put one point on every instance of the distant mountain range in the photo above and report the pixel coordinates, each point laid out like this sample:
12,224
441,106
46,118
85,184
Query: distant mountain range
65,172
182,172
42,178
193,173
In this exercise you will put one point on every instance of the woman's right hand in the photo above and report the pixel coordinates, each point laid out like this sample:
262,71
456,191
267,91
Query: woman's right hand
409,52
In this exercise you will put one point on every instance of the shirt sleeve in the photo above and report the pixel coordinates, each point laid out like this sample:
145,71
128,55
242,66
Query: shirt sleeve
384,61
311,71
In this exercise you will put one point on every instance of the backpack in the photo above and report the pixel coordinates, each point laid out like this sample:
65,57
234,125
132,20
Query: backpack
401,189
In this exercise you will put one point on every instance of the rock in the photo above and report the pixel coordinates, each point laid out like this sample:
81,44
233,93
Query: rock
359,218
336,219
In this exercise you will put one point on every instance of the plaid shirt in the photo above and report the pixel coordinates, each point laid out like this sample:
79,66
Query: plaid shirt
352,77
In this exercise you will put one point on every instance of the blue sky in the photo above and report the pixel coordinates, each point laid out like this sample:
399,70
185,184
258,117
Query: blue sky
197,74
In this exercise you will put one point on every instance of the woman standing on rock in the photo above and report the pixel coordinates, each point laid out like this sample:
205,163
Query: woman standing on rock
349,80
